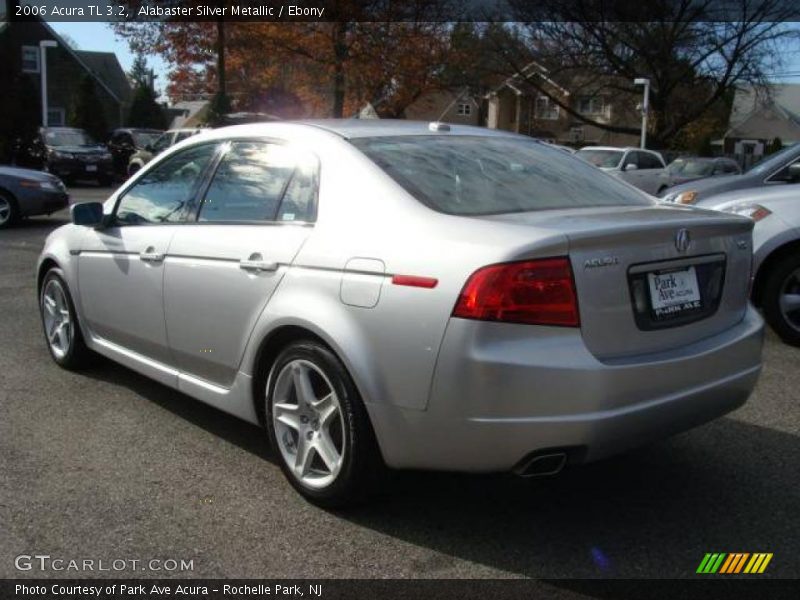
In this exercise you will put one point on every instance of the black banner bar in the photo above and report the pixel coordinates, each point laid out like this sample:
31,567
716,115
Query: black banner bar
379,589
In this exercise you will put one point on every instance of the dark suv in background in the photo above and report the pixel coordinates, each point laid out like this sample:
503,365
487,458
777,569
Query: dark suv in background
123,143
68,153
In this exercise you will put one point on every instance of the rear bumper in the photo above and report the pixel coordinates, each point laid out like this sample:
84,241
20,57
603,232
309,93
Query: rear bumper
502,392
79,169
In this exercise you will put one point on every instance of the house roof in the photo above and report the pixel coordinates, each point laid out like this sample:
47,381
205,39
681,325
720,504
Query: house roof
189,113
766,114
533,68
106,67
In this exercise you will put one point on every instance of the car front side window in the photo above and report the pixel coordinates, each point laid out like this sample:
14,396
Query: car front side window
161,194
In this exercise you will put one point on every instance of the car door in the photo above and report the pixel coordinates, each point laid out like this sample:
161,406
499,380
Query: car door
121,266
645,175
629,167
251,222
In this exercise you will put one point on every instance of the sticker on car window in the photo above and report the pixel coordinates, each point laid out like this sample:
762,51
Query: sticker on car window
288,217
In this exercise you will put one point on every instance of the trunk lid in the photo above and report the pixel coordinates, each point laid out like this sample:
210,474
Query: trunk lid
626,261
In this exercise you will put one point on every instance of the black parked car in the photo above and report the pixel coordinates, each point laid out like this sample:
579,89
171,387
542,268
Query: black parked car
123,143
68,153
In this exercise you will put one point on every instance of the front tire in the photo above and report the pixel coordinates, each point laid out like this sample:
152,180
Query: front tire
781,299
60,322
319,427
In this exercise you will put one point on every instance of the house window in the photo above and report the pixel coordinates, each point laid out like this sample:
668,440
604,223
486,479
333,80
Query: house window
56,117
30,59
464,109
545,109
593,105
576,133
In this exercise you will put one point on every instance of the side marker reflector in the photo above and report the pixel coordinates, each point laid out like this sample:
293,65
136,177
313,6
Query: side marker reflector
414,281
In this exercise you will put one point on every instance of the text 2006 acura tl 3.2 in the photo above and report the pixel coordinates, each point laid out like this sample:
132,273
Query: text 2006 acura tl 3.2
410,295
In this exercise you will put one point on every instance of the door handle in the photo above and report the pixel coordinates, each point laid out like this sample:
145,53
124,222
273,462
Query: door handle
150,255
255,262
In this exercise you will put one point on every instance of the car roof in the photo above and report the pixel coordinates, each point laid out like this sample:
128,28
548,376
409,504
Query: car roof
362,128
623,149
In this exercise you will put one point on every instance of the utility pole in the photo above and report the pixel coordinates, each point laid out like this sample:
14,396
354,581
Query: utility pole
43,46
645,107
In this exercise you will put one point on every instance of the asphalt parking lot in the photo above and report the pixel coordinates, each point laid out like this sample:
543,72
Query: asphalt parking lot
106,464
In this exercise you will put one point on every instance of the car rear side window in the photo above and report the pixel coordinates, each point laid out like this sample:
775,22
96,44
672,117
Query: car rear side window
649,161
161,194
479,175
249,183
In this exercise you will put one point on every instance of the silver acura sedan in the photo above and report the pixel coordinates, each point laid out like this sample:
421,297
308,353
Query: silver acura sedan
409,295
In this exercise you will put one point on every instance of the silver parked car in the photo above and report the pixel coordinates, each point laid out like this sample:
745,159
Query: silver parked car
408,294
641,168
776,251
691,168
781,168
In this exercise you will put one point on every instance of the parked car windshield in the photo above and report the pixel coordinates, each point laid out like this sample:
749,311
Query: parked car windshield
68,137
691,167
143,138
605,159
774,161
481,175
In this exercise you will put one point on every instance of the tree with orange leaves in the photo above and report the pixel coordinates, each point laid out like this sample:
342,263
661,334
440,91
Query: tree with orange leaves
331,68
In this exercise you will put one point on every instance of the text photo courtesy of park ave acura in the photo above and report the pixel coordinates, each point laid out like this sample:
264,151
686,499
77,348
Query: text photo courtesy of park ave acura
399,299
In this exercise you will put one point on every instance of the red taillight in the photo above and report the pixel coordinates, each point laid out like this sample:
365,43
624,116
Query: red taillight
537,292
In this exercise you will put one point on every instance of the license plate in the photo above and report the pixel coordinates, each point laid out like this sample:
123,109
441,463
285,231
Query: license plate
91,168
674,292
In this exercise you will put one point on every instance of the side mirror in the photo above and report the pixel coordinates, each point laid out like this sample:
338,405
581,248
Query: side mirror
630,167
794,172
89,214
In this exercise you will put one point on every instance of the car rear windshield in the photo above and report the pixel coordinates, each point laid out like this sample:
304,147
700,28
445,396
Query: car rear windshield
68,137
605,159
692,167
481,175
143,138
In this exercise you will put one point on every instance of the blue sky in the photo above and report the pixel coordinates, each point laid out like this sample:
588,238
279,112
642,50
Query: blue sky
99,36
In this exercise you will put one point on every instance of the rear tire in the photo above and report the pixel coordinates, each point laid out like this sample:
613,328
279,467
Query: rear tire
781,299
9,213
319,427
60,323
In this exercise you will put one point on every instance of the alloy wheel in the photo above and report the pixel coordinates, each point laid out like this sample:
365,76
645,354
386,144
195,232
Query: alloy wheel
57,320
5,210
308,423
789,299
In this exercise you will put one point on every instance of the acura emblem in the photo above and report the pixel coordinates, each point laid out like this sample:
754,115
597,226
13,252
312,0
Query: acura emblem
682,240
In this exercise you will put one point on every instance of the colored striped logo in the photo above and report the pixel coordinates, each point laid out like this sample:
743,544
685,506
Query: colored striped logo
736,562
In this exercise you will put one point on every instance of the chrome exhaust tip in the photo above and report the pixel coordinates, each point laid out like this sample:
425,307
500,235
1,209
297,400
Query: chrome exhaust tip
542,465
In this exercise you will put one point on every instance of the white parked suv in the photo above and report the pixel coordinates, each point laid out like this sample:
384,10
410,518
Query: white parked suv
641,168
